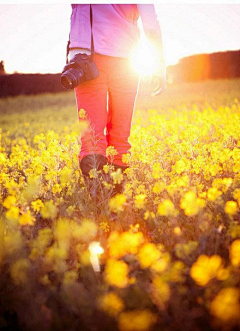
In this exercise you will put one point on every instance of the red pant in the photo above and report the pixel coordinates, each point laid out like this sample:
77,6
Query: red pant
109,103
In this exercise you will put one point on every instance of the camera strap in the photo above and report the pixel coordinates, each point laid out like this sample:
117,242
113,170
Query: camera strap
68,49
91,21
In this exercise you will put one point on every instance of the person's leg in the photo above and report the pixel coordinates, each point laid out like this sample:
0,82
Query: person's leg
91,97
123,86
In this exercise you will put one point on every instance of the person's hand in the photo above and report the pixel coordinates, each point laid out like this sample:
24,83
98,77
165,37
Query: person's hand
160,82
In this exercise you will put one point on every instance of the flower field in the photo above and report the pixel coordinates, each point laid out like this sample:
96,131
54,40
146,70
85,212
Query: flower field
162,255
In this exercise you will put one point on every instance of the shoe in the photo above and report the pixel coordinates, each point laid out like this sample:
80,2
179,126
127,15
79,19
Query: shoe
89,162
92,161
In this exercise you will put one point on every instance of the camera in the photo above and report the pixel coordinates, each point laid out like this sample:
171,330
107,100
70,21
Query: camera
81,68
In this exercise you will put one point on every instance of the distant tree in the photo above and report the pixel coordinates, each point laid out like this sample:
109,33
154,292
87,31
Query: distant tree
2,69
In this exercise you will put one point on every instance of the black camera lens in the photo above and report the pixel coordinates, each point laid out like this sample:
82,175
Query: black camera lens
71,78
66,82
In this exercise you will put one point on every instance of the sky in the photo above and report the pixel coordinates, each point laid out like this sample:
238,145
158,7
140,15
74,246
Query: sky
33,37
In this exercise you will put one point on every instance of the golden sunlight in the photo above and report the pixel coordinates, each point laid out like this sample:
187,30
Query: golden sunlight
144,58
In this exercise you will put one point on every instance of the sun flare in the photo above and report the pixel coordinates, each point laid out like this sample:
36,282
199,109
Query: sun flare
144,59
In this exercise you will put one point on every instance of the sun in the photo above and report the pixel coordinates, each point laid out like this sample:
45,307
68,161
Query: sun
144,59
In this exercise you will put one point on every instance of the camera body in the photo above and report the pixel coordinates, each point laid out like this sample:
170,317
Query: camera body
81,68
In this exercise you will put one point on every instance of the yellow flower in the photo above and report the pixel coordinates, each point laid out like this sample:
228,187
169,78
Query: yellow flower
13,242
225,306
117,176
157,170
106,168
12,213
124,243
235,253
49,210
148,215
104,226
83,255
2,158
56,189
37,205
82,113
93,173
19,270
70,277
62,231
116,273
85,231
32,188
236,193
160,291
213,193
111,151
177,231
148,254
166,208
191,204
206,268
136,320
65,175
158,187
231,207
139,201
39,244
55,257
111,303
180,166
9,201
26,219
160,265
116,203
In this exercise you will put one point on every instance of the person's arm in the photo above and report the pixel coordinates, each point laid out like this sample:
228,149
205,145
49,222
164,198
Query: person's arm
80,28
153,33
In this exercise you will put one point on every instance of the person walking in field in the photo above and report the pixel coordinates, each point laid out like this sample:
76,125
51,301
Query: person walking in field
111,33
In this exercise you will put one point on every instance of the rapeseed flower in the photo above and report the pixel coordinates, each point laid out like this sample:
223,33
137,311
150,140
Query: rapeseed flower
124,243
235,253
148,254
49,210
231,208
158,187
166,208
213,193
111,303
111,151
26,219
13,213
160,291
82,113
157,171
206,268
84,232
9,201
116,273
139,201
117,176
37,205
116,203
191,204
19,271
225,306
104,226
136,320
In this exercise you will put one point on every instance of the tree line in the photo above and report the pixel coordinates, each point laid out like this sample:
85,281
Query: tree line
188,69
